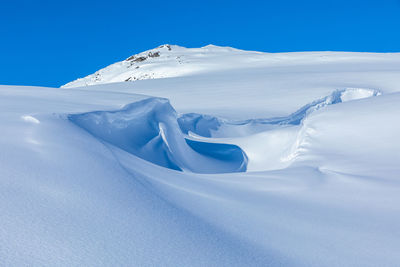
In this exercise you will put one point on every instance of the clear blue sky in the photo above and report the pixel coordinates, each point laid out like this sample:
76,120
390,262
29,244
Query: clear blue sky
49,43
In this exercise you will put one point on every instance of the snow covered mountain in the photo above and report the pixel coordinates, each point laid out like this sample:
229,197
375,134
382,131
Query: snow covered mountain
168,61
233,158
162,62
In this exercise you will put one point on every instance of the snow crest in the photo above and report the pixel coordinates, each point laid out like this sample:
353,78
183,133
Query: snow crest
152,130
149,130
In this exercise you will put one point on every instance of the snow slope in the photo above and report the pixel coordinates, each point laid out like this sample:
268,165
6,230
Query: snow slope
166,61
291,160
169,61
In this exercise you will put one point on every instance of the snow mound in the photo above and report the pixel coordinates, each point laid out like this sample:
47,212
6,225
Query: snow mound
149,130
152,130
210,126
357,93
269,143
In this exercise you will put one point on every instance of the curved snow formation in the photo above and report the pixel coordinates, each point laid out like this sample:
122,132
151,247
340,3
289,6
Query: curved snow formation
209,126
271,143
152,130
149,130
76,197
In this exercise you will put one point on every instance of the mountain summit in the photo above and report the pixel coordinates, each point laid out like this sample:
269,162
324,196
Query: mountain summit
161,62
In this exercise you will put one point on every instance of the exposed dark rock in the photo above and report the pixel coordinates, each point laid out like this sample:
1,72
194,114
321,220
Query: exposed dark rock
167,46
140,59
155,54
136,59
130,58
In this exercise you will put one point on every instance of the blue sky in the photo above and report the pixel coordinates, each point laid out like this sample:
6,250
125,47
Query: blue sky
49,43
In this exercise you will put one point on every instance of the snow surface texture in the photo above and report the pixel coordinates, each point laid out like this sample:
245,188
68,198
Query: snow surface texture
290,161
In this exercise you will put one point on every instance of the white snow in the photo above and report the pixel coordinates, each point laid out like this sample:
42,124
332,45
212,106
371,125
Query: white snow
31,119
233,158
167,61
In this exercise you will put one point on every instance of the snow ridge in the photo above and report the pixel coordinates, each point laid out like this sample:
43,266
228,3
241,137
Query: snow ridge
149,130
211,126
152,130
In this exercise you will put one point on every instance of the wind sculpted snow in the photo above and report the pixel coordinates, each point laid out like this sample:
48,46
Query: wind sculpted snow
289,160
302,214
149,129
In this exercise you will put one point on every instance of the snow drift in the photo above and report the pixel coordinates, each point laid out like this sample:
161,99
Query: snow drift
209,126
234,158
149,129
152,130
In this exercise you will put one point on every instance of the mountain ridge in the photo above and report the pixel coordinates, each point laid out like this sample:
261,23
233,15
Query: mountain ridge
167,56
167,61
